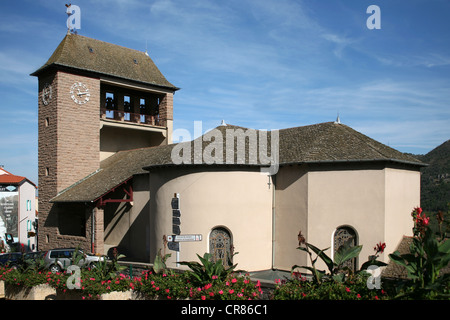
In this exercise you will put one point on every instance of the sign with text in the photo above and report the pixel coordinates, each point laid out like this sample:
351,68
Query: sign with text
185,238
9,210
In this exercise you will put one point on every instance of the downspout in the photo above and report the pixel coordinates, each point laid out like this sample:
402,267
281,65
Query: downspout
273,219
93,231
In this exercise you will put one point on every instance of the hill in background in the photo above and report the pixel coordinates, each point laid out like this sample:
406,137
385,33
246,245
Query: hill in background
435,179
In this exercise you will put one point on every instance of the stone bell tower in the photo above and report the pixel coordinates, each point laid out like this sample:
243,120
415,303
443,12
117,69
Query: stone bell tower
95,99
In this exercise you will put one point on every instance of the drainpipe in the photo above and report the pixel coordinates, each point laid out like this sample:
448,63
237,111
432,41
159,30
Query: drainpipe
273,219
93,231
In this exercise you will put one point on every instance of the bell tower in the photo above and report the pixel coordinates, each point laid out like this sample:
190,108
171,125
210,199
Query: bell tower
95,99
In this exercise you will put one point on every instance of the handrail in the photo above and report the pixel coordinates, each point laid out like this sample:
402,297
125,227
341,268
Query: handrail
123,116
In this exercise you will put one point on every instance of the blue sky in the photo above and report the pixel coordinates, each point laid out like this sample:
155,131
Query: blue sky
266,64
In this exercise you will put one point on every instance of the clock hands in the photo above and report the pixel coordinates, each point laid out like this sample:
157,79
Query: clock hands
82,93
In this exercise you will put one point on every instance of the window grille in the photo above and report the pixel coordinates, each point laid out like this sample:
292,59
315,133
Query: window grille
341,237
220,246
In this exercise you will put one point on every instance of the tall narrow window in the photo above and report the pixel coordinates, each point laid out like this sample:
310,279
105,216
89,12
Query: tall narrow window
127,108
220,246
343,236
110,105
143,105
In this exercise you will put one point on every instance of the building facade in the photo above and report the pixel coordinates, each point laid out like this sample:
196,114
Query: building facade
17,213
111,177
90,108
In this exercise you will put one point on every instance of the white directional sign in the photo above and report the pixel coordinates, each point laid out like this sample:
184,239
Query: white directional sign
184,238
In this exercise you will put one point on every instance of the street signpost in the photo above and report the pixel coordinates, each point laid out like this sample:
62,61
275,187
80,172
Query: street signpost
185,238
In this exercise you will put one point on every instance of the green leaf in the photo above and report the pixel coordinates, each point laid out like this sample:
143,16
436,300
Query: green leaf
346,253
320,253
444,247
369,263
397,258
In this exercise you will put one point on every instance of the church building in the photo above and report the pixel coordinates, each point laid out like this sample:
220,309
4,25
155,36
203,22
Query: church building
110,176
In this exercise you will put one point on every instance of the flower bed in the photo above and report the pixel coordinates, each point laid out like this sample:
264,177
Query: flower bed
20,285
354,288
178,286
91,288
428,256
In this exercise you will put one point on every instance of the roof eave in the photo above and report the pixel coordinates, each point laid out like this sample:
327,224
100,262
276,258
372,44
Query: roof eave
412,163
62,66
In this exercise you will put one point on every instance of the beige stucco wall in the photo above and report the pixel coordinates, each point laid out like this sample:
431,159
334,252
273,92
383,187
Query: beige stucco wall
375,201
240,200
402,196
354,198
291,202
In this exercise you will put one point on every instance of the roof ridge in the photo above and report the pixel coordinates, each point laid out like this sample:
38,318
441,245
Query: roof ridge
359,136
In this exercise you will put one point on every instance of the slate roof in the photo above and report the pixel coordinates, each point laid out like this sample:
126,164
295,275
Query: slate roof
95,56
320,143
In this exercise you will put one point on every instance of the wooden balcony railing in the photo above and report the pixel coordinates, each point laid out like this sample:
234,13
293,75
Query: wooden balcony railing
123,116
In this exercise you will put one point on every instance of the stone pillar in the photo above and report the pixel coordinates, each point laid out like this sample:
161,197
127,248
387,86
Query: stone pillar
166,115
98,228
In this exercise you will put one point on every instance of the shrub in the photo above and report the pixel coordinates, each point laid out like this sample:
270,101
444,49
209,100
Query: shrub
354,288
427,256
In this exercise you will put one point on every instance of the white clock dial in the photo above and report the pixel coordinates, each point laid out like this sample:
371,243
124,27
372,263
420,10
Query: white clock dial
46,94
79,93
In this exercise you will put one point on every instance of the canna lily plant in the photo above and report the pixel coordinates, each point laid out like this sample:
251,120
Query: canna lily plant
427,256
335,266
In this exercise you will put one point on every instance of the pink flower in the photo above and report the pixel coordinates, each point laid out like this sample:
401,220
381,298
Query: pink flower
203,298
347,289
220,292
231,291
234,280
358,295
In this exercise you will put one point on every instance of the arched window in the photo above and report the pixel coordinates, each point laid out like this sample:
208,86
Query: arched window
220,246
342,236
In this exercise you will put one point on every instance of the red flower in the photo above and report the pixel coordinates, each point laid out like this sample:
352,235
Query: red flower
380,248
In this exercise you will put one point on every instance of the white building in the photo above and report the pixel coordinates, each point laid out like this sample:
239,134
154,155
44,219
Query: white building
17,211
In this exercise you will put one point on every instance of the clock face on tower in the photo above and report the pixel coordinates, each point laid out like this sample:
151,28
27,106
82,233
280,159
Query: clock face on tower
79,93
46,94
